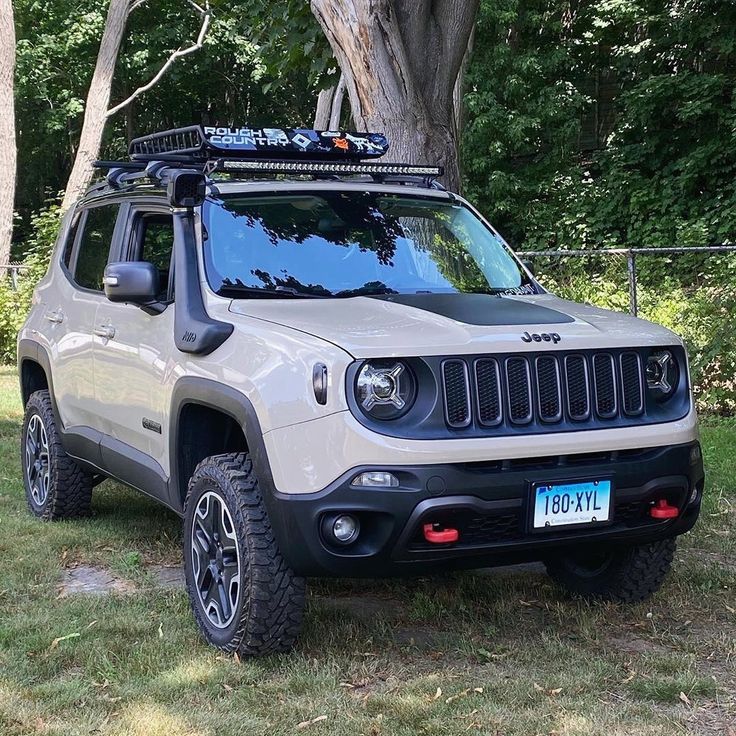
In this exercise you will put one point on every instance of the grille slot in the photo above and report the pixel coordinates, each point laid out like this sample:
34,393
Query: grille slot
605,385
548,389
518,389
632,397
457,393
488,390
578,388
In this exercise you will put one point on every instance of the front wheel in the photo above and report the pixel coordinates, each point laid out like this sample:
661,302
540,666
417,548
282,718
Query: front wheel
625,574
244,597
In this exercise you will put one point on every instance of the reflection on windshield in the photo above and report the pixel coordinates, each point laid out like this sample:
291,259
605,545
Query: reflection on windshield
352,243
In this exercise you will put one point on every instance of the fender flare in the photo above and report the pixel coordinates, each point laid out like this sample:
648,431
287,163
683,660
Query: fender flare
229,401
32,351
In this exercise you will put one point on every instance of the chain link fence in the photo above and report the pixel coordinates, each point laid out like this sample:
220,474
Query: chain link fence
691,290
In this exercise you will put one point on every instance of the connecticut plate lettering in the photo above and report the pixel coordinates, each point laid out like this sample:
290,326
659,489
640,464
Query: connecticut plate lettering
571,503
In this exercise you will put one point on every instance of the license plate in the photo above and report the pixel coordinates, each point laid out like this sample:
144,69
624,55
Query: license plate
563,504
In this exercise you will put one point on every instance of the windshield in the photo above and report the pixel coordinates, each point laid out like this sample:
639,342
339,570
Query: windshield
351,243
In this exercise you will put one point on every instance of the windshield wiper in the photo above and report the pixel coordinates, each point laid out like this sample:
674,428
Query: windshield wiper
365,291
280,292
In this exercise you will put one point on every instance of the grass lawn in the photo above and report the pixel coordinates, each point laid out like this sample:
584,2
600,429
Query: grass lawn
485,653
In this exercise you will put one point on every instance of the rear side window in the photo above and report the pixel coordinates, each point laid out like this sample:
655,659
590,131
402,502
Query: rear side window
69,244
94,246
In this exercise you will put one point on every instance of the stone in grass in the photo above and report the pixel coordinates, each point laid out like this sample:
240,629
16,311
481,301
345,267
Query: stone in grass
170,577
88,580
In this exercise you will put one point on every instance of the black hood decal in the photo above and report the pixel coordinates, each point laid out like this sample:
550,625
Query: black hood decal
480,309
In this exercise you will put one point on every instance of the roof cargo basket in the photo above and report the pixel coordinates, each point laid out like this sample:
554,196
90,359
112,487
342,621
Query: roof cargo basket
201,143
321,154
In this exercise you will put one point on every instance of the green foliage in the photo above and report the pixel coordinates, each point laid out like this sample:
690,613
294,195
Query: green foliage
15,303
665,174
240,75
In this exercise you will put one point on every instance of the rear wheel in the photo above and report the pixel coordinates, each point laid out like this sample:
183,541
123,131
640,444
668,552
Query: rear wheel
626,574
244,596
56,486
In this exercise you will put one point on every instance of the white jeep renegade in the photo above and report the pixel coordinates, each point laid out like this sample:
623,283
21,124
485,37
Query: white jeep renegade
335,367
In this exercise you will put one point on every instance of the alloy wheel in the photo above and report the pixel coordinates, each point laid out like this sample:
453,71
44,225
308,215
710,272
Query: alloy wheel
215,560
37,460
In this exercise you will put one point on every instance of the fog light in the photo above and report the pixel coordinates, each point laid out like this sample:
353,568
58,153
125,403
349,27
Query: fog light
345,528
375,479
694,495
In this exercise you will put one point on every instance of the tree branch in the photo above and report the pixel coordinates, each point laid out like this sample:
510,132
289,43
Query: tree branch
178,54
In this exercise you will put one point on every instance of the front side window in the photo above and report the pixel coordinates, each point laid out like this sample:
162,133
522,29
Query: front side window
154,242
344,244
94,246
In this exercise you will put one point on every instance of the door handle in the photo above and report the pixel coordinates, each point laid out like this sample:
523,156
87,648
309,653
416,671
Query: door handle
56,317
106,332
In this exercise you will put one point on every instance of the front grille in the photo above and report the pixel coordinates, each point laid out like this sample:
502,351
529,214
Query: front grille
547,388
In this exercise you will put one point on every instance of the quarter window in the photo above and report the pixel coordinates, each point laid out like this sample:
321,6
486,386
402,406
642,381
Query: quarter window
94,246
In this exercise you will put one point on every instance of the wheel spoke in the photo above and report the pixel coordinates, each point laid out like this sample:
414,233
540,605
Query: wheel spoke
224,597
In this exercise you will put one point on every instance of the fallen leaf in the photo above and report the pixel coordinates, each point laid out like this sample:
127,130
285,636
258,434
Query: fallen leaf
226,687
55,643
161,630
684,698
304,724
438,694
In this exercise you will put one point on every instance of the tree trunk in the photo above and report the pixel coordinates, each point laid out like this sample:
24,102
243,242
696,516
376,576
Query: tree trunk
336,111
98,99
324,105
7,128
401,60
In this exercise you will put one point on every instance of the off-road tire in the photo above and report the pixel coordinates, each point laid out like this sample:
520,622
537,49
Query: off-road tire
626,574
69,486
268,615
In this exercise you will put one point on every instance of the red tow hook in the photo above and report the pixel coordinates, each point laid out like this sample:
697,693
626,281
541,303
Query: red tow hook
436,534
663,510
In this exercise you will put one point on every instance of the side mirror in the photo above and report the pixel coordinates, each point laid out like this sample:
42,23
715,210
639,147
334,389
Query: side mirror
529,266
136,282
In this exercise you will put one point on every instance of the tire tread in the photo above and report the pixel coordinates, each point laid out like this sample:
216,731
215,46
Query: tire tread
271,617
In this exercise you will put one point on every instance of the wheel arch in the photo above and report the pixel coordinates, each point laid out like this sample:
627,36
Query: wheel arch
34,371
210,418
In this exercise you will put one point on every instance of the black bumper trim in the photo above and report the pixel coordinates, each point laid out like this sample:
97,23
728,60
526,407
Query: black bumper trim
391,543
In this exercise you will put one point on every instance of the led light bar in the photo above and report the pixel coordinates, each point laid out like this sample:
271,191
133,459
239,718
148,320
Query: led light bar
318,167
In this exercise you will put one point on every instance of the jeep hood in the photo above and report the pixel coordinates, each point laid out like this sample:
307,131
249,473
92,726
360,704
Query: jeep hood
445,324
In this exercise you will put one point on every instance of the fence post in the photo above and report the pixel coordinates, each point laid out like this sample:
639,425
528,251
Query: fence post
631,268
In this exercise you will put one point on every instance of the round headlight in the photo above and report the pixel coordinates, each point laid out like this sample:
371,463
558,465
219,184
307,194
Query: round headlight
385,389
662,373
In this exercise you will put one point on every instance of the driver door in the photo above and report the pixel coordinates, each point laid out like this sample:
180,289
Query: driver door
133,362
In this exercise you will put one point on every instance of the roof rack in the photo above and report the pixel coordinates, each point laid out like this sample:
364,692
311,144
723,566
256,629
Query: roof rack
262,151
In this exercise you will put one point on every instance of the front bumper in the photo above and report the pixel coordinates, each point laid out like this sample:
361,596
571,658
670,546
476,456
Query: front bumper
489,503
